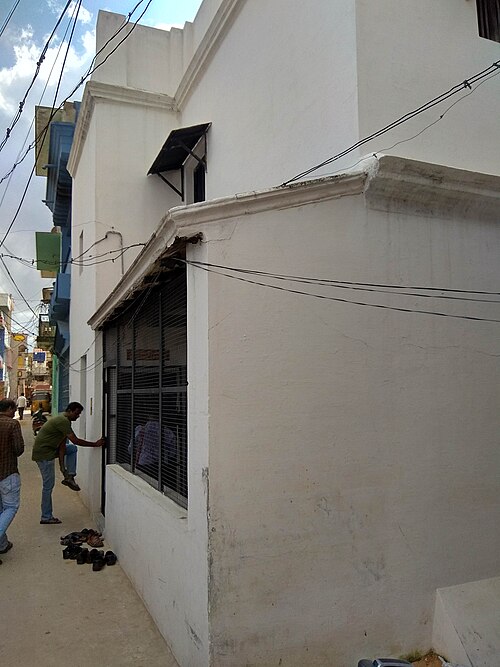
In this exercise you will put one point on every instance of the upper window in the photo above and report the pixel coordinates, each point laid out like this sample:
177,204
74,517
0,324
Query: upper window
183,157
488,18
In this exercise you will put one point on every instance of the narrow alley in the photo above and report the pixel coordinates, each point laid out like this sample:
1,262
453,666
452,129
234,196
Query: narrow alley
55,612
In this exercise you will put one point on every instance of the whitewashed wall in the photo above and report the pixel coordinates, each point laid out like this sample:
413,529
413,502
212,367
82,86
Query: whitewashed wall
353,451
300,410
410,51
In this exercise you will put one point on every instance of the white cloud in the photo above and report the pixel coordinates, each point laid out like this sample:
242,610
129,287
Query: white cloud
83,15
56,7
15,80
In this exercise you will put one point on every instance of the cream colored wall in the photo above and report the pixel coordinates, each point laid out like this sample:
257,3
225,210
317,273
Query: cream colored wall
353,451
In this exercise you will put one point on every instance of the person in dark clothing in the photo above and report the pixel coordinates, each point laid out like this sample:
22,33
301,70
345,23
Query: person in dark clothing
11,446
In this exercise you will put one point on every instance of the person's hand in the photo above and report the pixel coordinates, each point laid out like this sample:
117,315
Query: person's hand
100,442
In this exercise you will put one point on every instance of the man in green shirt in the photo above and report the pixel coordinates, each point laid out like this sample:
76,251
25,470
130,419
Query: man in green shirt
50,440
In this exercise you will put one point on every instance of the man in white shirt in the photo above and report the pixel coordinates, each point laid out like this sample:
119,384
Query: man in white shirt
21,404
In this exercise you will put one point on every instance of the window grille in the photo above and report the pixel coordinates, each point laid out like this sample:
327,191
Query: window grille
146,351
488,18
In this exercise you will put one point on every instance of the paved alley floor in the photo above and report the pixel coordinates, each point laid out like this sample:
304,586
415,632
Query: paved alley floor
54,612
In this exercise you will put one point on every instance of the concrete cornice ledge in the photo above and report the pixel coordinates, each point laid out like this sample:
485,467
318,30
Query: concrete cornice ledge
421,188
249,203
186,222
96,91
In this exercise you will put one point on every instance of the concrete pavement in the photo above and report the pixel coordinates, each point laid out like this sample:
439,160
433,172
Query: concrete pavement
54,612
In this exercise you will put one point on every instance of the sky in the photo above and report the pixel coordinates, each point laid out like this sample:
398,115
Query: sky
22,39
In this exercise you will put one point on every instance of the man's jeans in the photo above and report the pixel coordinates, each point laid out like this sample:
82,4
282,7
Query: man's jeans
10,498
48,471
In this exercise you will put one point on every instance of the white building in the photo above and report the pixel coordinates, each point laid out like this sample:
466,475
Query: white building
328,461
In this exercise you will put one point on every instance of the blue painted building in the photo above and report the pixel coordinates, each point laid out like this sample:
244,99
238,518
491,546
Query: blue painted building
58,200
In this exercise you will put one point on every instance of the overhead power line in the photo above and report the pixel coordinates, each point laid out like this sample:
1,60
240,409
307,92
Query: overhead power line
209,269
9,16
340,283
16,286
466,84
88,73
43,133
89,261
16,118
33,119
23,327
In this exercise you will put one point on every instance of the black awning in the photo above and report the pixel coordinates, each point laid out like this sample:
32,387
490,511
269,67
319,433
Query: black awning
177,147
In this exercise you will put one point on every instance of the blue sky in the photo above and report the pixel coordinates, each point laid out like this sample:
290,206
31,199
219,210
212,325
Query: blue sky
20,46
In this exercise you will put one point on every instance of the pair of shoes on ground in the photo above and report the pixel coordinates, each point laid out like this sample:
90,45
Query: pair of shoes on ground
93,556
7,548
69,481
51,521
79,537
102,559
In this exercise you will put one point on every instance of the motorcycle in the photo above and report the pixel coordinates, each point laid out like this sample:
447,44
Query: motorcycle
38,419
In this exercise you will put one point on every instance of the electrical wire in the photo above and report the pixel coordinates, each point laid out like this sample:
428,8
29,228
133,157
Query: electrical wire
88,73
467,83
16,118
338,299
31,263
84,353
22,326
74,19
414,136
9,16
44,131
15,285
33,119
327,281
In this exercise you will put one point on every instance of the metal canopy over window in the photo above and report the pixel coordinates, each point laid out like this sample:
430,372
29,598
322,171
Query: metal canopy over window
177,148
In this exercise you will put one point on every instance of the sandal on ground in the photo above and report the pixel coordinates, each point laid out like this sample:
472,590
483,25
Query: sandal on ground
95,541
110,558
91,531
73,538
98,564
51,521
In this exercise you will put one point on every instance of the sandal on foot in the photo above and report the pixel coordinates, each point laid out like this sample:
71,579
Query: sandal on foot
70,482
46,522
7,548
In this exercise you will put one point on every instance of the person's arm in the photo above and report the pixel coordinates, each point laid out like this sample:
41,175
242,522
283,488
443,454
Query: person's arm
61,452
85,443
140,443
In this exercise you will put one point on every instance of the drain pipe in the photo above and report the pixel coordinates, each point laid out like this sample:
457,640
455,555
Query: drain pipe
113,231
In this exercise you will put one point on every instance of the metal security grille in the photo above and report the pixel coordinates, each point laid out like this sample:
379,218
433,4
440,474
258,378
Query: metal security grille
145,354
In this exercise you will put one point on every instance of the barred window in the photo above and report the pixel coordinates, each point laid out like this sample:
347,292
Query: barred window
145,352
488,18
